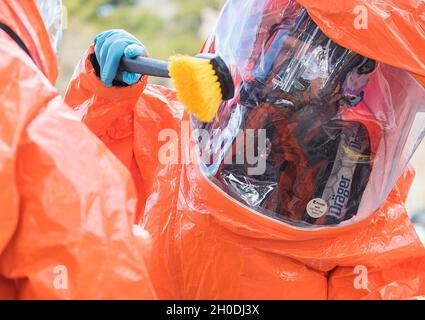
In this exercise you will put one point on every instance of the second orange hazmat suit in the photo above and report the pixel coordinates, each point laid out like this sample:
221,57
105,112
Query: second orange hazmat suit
210,244
66,203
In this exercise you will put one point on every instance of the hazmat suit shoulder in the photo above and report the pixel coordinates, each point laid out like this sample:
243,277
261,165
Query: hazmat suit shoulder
67,203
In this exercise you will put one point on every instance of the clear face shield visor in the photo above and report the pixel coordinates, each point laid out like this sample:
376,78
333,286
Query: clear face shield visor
330,131
53,17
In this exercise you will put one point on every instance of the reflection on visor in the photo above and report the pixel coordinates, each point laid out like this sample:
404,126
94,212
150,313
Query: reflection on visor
301,65
337,126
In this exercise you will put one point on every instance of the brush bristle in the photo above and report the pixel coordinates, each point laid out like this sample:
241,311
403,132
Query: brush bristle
197,85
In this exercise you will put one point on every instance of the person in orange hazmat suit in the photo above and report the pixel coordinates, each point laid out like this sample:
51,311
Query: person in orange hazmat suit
296,190
67,204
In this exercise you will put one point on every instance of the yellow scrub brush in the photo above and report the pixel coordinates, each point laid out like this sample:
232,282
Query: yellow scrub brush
202,82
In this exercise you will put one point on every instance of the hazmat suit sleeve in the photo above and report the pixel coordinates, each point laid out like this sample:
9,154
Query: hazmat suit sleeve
67,203
108,112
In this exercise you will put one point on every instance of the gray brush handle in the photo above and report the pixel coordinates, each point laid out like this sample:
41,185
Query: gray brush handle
146,66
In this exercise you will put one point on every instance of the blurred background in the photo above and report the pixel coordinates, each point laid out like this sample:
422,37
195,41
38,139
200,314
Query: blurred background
164,26
167,27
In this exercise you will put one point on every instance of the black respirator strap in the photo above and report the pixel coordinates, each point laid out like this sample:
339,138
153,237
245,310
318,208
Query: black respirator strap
15,38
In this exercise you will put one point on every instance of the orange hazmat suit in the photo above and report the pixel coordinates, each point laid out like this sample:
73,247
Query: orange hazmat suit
67,204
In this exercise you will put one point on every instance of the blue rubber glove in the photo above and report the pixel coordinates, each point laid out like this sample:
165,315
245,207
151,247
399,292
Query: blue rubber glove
110,46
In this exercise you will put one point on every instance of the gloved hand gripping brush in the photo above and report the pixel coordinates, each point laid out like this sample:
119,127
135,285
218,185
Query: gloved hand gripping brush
202,82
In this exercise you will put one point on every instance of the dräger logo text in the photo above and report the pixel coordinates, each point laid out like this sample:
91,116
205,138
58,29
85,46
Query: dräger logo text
340,200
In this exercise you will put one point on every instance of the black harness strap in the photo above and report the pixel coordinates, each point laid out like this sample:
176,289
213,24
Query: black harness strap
15,38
